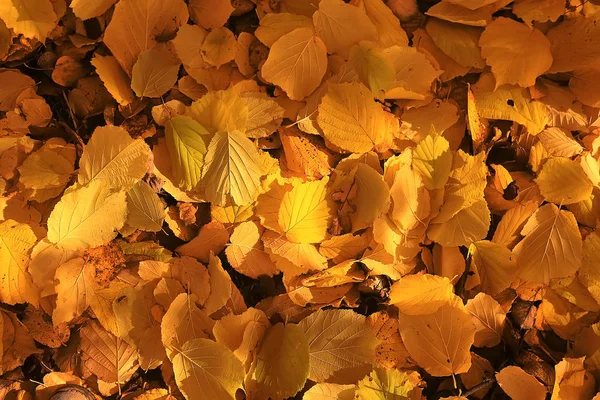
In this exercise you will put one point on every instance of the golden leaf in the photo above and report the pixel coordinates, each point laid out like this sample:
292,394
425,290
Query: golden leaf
489,320
16,242
552,247
506,45
207,369
297,63
421,294
440,341
155,72
106,356
112,156
348,345
231,171
519,385
87,217
136,24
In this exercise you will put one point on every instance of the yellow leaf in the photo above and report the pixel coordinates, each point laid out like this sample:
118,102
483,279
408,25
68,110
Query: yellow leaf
137,326
297,63
275,25
508,231
329,391
155,72
281,365
16,242
146,210
305,154
454,12
459,42
112,156
589,274
13,83
509,102
114,78
45,169
540,11
264,115
231,214
433,160
372,197
386,23
552,247
212,237
519,385
219,47
572,380
182,322
87,217
33,20
106,356
222,110
495,264
45,259
558,143
242,333
208,370
584,84
293,258
465,187
223,292
349,345
232,170
352,120
382,384
489,320
246,254
465,227
343,247
506,45
185,139
136,25
410,198
563,181
440,341
304,214
374,68
87,9
437,116
574,43
331,19
436,57
421,294
414,74
210,13
78,288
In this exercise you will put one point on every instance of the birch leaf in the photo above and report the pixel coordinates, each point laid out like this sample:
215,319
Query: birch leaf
506,45
87,217
155,72
232,171
297,63
338,340
207,369
112,156
440,341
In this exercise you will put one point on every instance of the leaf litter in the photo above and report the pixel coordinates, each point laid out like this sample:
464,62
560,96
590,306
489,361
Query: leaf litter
255,199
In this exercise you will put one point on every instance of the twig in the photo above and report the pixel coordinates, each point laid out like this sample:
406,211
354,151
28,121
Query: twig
479,386
460,285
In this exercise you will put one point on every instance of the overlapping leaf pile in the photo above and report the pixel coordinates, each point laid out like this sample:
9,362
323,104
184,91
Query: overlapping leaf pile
291,199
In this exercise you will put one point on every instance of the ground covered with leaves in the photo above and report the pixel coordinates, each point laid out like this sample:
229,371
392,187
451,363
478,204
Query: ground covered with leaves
306,199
